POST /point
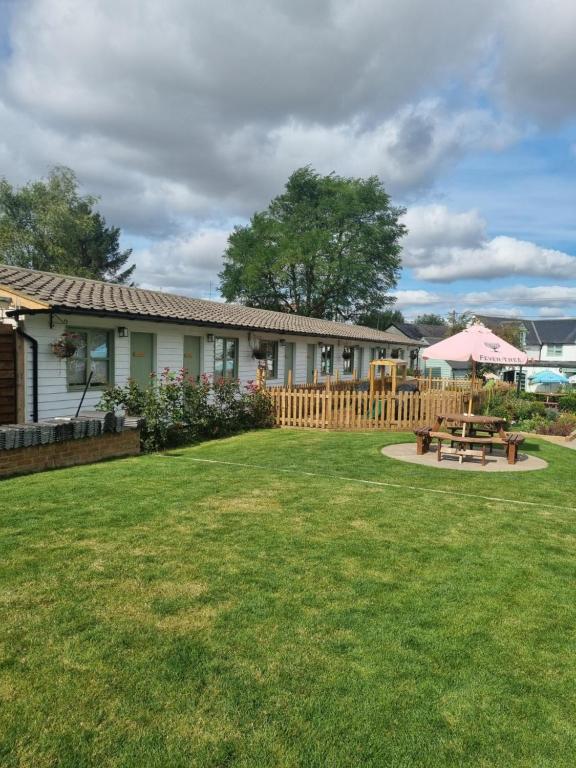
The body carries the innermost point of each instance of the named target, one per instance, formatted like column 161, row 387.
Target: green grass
column 157, row 611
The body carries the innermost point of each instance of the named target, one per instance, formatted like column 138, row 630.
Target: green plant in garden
column 178, row 409
column 513, row 408
column 567, row 402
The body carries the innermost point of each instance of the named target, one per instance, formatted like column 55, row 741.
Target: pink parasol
column 478, row 344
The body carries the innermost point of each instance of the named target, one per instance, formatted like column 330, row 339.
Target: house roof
column 422, row 332
column 78, row 295
column 562, row 331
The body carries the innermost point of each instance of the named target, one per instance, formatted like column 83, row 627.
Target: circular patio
column 495, row 462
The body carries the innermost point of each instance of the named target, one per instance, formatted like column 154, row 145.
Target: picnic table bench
column 476, row 445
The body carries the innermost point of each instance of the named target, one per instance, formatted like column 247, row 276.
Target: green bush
column 512, row 407
column 567, row 403
column 176, row 409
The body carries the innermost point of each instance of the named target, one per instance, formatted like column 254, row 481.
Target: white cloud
column 416, row 298
column 443, row 246
column 525, row 296
column 185, row 265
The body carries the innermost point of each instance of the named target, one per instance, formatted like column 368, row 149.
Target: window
column 436, row 373
column 270, row 349
column 226, row 357
column 398, row 353
column 347, row 359
column 93, row 355
column 327, row 360
column 379, row 353
column 554, row 350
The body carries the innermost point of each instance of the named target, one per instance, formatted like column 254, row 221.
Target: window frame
column 271, row 373
column 227, row 340
column 376, row 353
column 555, row 350
column 326, row 356
column 73, row 387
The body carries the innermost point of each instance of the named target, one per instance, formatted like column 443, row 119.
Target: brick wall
column 23, row 461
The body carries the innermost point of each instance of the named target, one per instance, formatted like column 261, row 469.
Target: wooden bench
column 425, row 435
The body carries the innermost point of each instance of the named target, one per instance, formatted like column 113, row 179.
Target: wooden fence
column 423, row 384
column 353, row 409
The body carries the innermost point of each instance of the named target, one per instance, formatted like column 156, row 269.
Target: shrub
column 176, row 409
column 508, row 405
column 564, row 425
column 567, row 403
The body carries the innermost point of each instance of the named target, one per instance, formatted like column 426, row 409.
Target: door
column 141, row 357
column 289, row 361
column 192, row 361
column 310, row 363
column 8, row 401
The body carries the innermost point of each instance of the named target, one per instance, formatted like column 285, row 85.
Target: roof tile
column 66, row 293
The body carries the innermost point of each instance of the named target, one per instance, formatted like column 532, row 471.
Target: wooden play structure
column 384, row 372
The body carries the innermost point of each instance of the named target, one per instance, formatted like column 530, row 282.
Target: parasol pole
column 472, row 384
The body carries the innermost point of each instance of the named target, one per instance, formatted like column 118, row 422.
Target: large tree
column 326, row 247
column 381, row 319
column 429, row 318
column 49, row 225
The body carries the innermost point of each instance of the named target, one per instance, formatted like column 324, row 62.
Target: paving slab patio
column 495, row 462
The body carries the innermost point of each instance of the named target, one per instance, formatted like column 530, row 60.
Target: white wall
column 55, row 398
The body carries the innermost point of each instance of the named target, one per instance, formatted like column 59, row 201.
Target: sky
column 185, row 117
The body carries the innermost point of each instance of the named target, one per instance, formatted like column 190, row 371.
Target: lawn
column 166, row 612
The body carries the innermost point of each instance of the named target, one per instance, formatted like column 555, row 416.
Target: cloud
column 525, row 296
column 443, row 246
column 537, row 59
column 184, row 265
column 194, row 111
column 416, row 298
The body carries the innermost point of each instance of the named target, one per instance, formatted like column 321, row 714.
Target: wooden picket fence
column 352, row 409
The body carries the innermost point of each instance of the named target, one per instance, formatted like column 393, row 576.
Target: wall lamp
column 122, row 332
column 282, row 342
column 210, row 338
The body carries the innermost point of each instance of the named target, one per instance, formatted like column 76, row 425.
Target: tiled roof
column 68, row 294
column 410, row 330
column 561, row 331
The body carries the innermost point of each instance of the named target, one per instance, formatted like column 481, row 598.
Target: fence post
column 290, row 378
column 315, row 375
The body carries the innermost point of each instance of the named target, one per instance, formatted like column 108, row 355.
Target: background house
column 129, row 333
column 425, row 335
column 549, row 344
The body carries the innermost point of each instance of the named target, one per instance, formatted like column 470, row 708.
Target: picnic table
column 470, row 425
column 468, row 435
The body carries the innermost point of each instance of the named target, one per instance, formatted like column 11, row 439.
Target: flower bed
column 176, row 409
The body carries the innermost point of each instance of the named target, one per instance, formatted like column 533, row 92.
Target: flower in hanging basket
column 66, row 345
column 346, row 354
column 259, row 354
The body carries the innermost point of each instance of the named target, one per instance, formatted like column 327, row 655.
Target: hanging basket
column 259, row 354
column 65, row 346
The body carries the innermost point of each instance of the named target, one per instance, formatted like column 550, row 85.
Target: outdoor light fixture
column 282, row 342
column 122, row 332
column 210, row 337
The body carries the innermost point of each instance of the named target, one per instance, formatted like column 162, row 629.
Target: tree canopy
column 381, row 319
column 457, row 322
column 327, row 247
column 429, row 318
column 49, row 225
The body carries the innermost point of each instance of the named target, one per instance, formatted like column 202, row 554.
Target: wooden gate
column 8, row 376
